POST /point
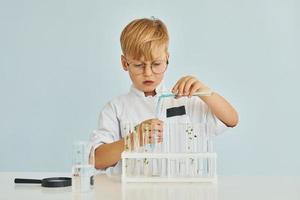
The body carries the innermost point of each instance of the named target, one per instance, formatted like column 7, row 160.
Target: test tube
column 189, row 138
column 127, row 143
column 147, row 137
column 147, row 165
column 156, row 162
column 164, row 167
column 147, row 162
column 136, row 140
column 197, row 144
column 182, row 167
column 177, row 167
column 200, row 166
column 173, row 138
column 172, row 167
column 210, row 132
column 166, row 139
column 210, row 162
column 192, row 167
column 164, row 149
column 130, row 146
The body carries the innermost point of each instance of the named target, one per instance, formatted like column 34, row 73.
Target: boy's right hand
column 149, row 131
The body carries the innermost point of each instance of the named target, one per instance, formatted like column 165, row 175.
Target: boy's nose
column 148, row 70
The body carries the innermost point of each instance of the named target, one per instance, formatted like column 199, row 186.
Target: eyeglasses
column 157, row 66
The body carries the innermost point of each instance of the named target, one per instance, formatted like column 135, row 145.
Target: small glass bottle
column 83, row 167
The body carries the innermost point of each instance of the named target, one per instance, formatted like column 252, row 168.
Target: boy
column 144, row 44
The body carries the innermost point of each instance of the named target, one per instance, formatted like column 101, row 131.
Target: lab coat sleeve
column 108, row 127
column 214, row 123
column 199, row 111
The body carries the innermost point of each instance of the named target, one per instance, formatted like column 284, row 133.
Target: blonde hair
column 141, row 36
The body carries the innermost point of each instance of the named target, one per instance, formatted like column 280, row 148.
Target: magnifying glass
column 47, row 182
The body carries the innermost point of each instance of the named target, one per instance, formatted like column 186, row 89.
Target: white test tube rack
column 185, row 155
column 206, row 174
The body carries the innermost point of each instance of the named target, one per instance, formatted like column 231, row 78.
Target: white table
column 107, row 188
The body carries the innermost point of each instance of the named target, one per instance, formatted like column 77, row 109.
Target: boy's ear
column 124, row 63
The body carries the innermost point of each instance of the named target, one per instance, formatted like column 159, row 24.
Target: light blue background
column 60, row 63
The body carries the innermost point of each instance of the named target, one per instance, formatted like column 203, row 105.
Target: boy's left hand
column 187, row 86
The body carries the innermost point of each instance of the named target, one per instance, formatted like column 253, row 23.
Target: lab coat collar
column 159, row 89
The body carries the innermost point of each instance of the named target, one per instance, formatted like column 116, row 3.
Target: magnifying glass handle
column 23, row 180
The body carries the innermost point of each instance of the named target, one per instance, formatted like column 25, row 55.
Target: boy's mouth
column 148, row 82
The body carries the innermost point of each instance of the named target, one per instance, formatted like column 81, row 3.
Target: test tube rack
column 192, row 161
column 169, row 167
